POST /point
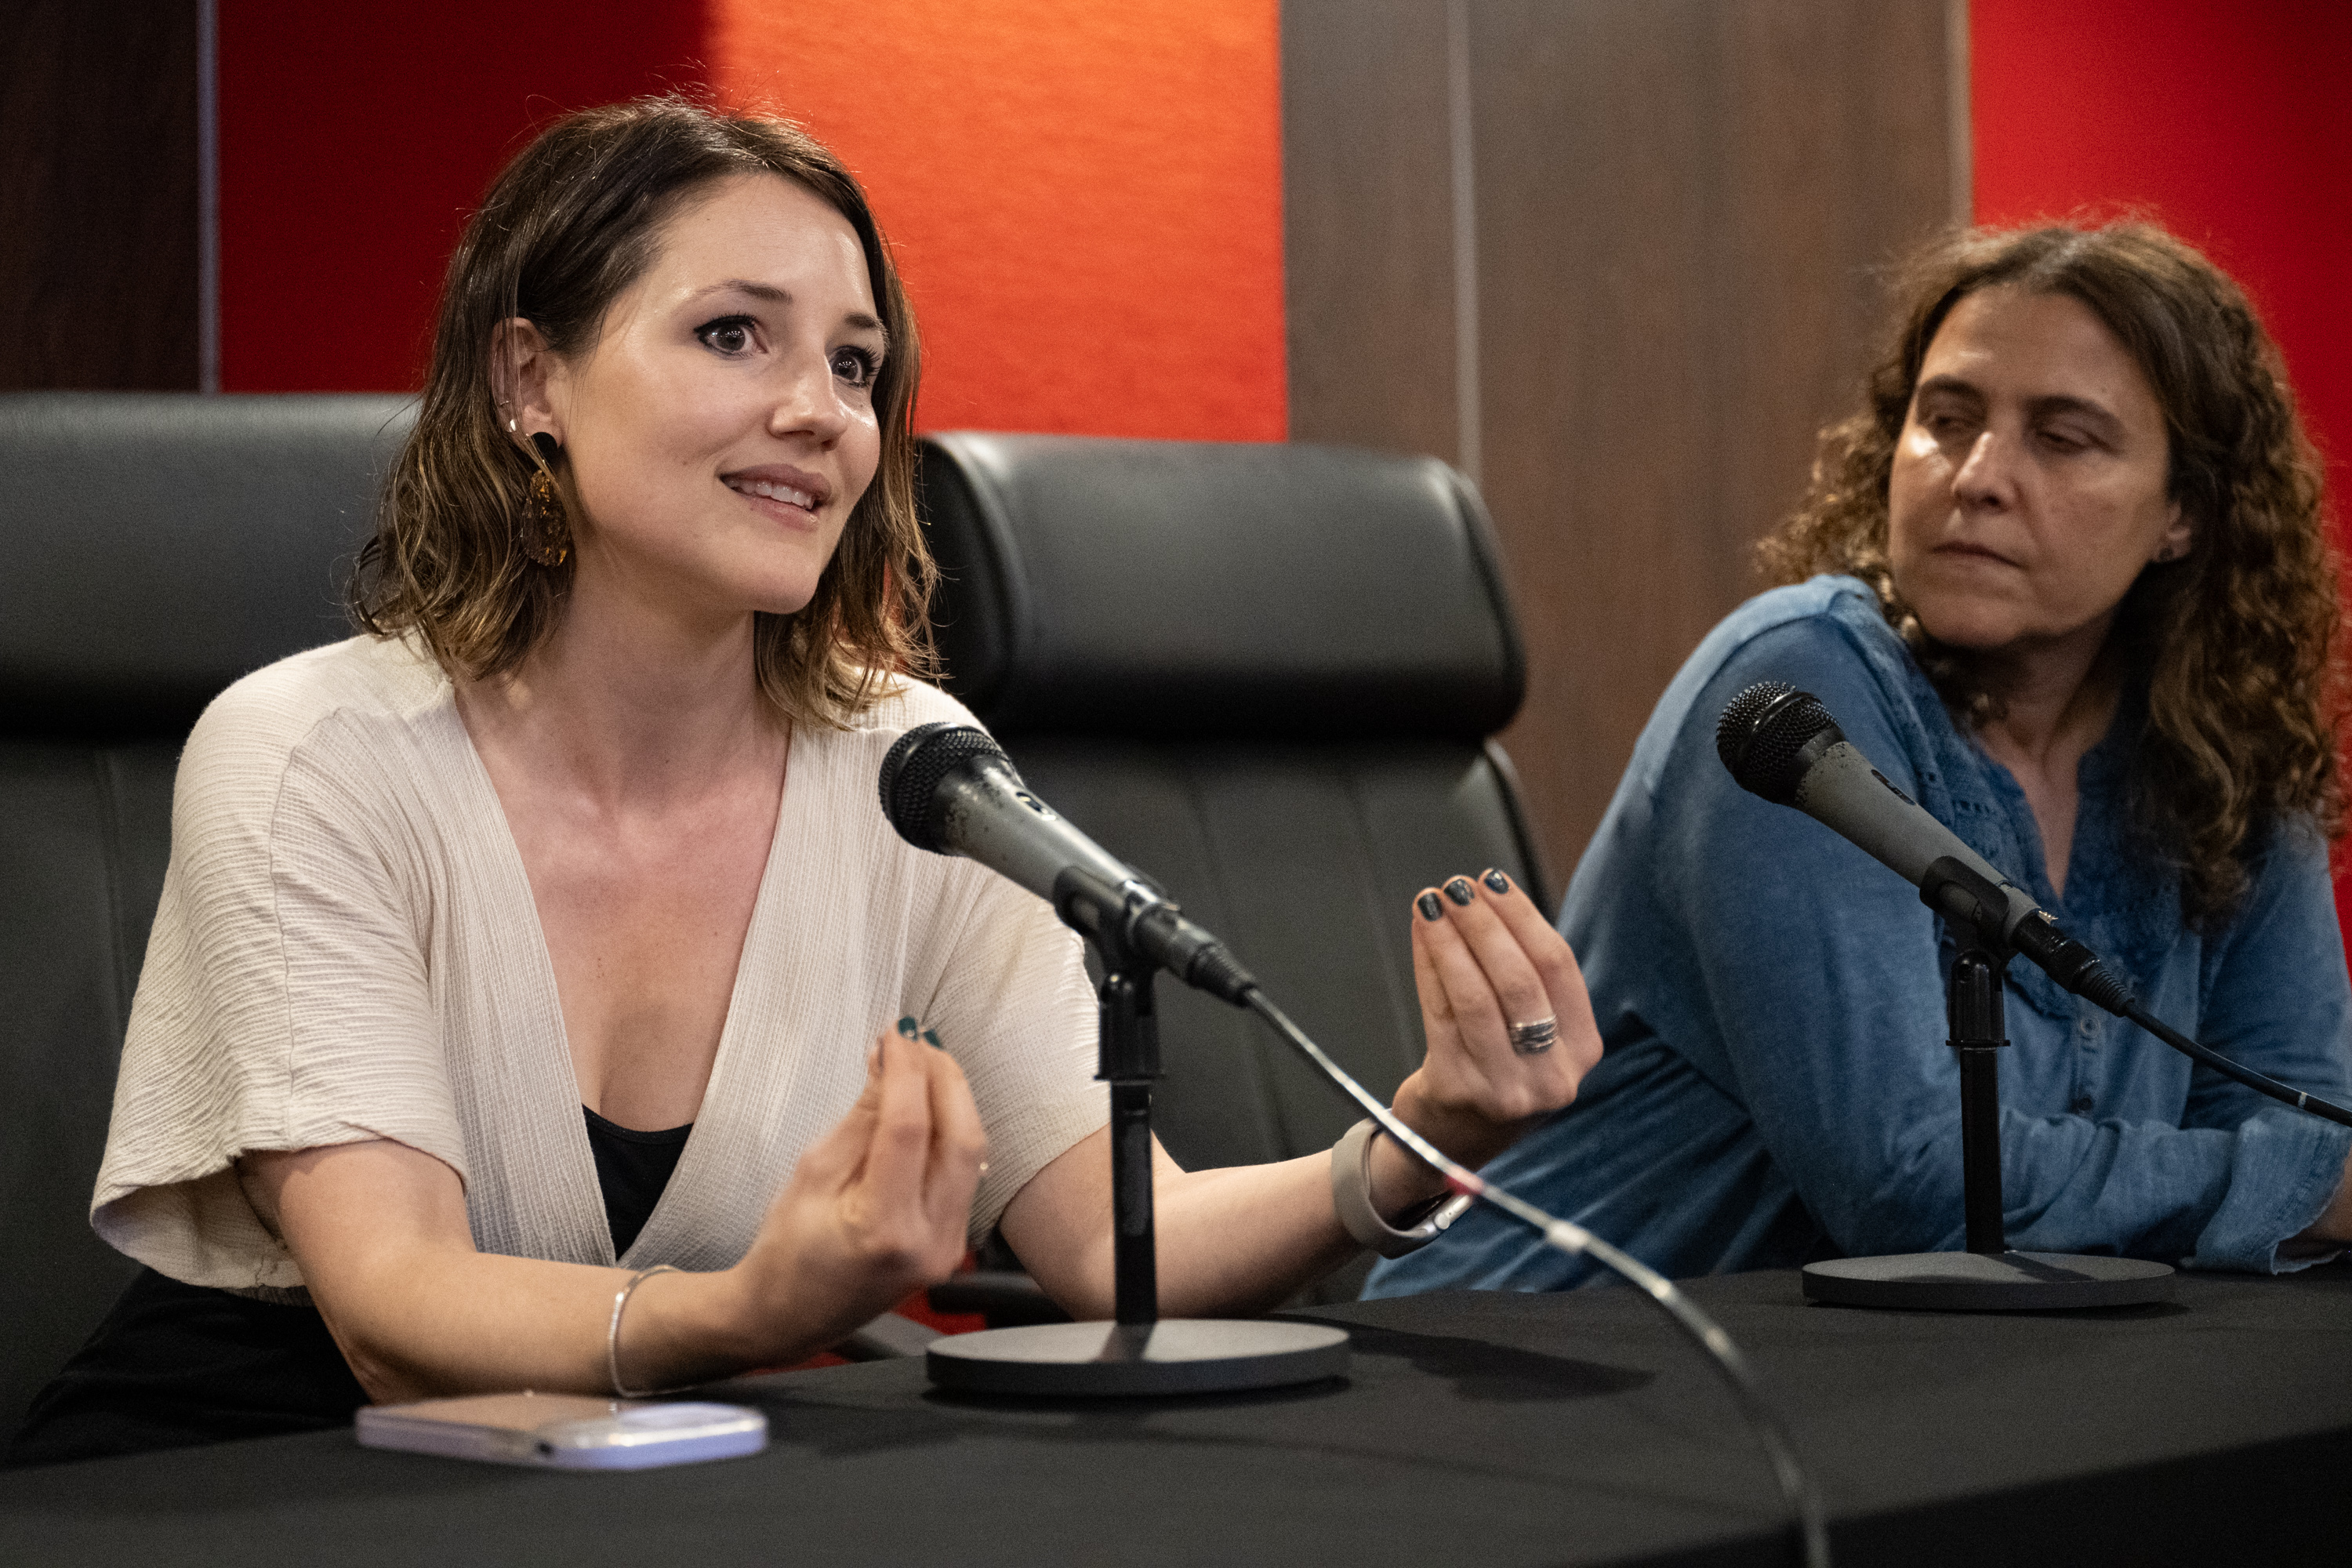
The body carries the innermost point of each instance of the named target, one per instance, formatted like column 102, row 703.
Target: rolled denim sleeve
column 2275, row 997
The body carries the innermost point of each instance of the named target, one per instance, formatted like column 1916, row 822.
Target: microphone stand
column 1987, row 1277
column 1138, row 1353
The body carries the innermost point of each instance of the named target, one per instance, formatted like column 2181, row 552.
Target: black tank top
column 632, row 1168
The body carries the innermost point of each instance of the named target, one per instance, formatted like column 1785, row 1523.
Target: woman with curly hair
column 2065, row 580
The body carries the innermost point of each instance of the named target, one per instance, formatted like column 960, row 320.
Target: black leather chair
column 152, row 549
column 1289, row 738
column 1266, row 676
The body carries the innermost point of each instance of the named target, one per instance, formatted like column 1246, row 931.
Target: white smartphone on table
column 565, row 1431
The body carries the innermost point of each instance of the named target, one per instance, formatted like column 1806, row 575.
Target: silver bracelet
column 1352, row 1195
column 613, row 1334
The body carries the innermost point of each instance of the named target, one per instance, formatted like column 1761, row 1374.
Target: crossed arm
column 879, row 1206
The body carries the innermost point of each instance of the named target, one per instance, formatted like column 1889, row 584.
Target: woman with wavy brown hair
column 510, row 1020
column 2066, row 579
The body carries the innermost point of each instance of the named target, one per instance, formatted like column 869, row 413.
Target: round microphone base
column 1176, row 1355
column 1988, row 1282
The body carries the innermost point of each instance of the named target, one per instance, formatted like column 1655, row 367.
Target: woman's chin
column 774, row 591
column 1974, row 634
column 782, row 603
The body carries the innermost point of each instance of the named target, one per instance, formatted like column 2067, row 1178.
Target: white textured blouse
column 347, row 949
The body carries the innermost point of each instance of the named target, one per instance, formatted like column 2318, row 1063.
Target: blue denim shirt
column 1776, row 1086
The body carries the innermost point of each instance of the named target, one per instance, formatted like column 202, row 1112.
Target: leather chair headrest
column 1176, row 588
column 159, row 545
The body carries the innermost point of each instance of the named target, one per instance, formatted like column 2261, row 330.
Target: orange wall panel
column 1086, row 198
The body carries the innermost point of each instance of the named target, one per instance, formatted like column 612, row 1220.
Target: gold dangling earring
column 544, row 533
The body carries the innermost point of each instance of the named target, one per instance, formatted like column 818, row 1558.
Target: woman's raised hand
column 876, row 1208
column 1485, row 958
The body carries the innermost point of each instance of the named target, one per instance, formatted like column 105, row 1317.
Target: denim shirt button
column 2083, row 1103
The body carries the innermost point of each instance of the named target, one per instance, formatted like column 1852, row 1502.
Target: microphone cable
column 2327, row 1111
column 1796, row 1484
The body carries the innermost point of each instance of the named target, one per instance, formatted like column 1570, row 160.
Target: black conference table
column 1474, row 1428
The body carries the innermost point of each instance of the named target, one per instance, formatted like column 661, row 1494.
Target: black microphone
column 1781, row 743
column 951, row 789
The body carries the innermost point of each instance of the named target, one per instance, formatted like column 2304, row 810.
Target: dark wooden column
column 1679, row 207
column 1368, row 225
column 98, row 200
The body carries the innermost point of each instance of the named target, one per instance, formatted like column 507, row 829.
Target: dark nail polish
column 1431, row 910
column 909, row 1028
column 1498, row 882
column 932, row 1040
column 1460, row 891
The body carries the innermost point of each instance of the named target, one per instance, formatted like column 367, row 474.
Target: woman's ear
column 2177, row 536
column 523, row 371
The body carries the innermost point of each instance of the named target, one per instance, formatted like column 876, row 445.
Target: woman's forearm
column 1240, row 1239
column 1246, row 1240
column 417, row 1312
column 1250, row 1237
column 436, row 1321
column 874, row 1208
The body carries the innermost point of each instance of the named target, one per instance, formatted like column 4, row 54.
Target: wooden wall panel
column 98, row 204
column 1680, row 207
column 1367, row 224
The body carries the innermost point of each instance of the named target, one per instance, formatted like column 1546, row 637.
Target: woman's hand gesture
column 1485, row 958
column 875, row 1209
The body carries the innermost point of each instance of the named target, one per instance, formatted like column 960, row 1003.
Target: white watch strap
column 1352, row 1195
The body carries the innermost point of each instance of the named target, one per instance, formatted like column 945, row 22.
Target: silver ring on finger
column 1534, row 1039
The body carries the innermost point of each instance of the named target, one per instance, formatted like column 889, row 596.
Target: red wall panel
column 355, row 137
column 2228, row 120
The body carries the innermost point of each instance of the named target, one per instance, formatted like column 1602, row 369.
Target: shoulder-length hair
column 571, row 223
column 2236, row 638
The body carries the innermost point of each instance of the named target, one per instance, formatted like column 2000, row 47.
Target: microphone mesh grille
column 911, row 774
column 1760, row 733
